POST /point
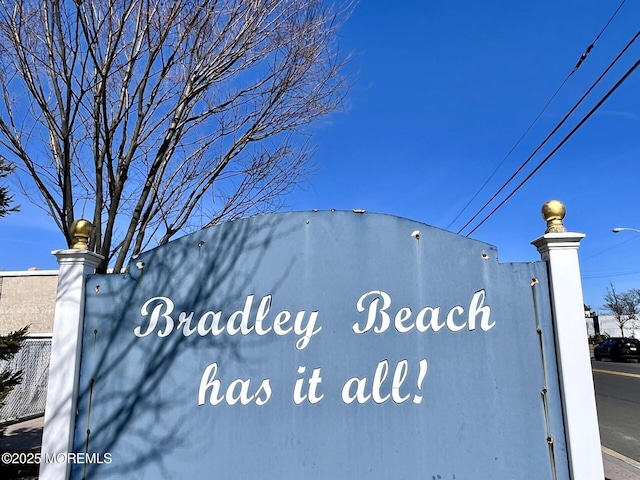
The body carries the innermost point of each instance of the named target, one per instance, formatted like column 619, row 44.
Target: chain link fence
column 29, row 397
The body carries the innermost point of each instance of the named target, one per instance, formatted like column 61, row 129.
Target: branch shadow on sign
column 137, row 391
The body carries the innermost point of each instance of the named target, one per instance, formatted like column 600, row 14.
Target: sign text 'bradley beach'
column 160, row 316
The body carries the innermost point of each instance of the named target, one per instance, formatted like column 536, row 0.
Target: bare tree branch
column 624, row 307
column 164, row 117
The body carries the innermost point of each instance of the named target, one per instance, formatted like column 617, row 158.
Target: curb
column 619, row 467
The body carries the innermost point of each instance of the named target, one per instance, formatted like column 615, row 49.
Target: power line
column 627, row 240
column 610, row 20
column 588, row 276
column 590, row 47
column 564, row 140
column 556, row 128
column 526, row 132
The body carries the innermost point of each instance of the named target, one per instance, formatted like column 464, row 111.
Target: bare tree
column 624, row 307
column 156, row 117
column 634, row 307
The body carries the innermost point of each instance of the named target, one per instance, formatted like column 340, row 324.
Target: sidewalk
column 619, row 467
column 26, row 437
column 21, row 437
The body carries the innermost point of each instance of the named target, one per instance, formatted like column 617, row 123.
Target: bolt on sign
column 321, row 345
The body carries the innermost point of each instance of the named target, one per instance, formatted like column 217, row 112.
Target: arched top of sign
column 352, row 239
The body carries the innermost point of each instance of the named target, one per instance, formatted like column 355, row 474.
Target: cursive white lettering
column 159, row 315
column 378, row 315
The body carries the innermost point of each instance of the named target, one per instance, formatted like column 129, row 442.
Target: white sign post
column 559, row 249
column 59, row 419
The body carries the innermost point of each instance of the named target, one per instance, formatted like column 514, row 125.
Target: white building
column 609, row 326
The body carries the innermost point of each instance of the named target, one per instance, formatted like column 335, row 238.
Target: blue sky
column 441, row 93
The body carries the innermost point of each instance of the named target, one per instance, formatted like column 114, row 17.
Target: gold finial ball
column 553, row 212
column 81, row 231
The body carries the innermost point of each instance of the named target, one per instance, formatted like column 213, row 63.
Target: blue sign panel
column 320, row 345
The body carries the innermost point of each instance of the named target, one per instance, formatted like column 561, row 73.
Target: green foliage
column 5, row 197
column 599, row 338
column 10, row 345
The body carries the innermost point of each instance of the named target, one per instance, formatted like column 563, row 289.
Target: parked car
column 617, row 349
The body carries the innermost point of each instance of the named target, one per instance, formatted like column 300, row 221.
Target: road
column 617, row 388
